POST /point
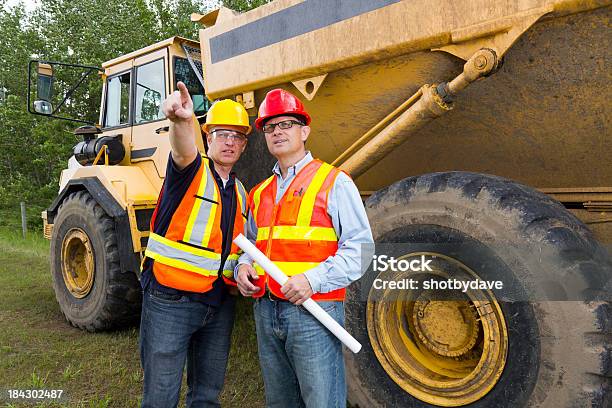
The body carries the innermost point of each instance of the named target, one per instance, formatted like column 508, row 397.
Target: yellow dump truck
column 478, row 133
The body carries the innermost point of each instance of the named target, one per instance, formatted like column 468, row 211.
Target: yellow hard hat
column 227, row 112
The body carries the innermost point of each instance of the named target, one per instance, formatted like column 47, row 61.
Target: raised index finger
column 183, row 91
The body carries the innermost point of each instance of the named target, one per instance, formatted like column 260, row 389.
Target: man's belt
column 273, row 297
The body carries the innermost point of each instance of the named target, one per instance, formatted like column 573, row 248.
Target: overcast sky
column 29, row 4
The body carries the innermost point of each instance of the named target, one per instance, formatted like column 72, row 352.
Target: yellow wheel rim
column 77, row 263
column 444, row 348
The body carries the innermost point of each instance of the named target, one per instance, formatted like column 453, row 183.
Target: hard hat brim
column 206, row 127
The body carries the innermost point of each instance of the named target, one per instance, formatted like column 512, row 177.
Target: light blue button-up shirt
column 350, row 221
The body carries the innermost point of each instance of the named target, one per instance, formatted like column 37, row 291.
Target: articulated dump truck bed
column 353, row 62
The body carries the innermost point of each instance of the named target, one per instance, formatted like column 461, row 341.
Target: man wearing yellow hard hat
column 187, row 310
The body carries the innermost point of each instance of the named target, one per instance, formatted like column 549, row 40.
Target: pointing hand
column 178, row 106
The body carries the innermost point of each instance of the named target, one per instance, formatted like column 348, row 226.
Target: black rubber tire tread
column 532, row 217
column 116, row 296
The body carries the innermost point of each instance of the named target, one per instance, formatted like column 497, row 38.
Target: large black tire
column 559, row 353
column 114, row 298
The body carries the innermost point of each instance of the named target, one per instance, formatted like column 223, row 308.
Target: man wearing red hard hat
column 308, row 218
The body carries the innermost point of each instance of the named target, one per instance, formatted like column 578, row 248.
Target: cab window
column 184, row 73
column 117, row 100
column 150, row 92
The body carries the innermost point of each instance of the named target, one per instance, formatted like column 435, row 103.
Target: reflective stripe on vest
column 197, row 222
column 183, row 256
column 297, row 234
column 199, row 226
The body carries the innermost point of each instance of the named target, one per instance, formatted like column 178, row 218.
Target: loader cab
column 135, row 86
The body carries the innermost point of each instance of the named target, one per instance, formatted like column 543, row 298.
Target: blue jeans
column 174, row 329
column 301, row 361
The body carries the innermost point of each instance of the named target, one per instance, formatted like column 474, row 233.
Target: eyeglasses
column 225, row 135
column 285, row 124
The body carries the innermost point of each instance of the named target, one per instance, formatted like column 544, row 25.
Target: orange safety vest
column 296, row 234
column 188, row 256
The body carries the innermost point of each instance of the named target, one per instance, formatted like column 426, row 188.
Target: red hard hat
column 279, row 102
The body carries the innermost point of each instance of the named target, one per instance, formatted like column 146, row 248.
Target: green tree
column 243, row 5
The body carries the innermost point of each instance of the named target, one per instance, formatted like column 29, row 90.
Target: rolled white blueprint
column 310, row 305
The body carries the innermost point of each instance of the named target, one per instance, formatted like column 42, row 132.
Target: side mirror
column 52, row 77
column 44, row 89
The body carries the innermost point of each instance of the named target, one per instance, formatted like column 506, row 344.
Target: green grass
column 39, row 349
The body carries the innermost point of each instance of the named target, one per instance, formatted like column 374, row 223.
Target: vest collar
column 218, row 179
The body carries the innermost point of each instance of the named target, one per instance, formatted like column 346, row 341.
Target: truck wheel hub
column 445, row 348
column 448, row 328
column 77, row 263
